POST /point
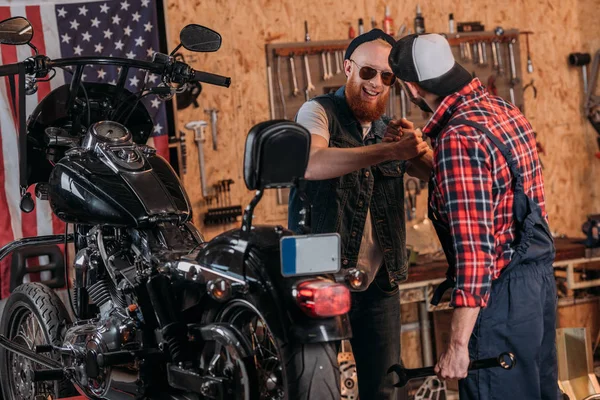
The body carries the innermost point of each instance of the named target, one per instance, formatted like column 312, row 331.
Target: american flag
column 118, row 28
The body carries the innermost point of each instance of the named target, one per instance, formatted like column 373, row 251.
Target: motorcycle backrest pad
column 276, row 154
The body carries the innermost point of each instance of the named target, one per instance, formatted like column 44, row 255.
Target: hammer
column 581, row 60
column 405, row 374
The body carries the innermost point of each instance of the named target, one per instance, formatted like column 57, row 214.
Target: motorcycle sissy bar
column 505, row 360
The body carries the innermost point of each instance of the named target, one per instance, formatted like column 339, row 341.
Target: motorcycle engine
column 115, row 328
column 89, row 341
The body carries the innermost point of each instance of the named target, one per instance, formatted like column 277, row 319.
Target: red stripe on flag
column 161, row 144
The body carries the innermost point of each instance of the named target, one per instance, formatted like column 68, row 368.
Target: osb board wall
column 246, row 26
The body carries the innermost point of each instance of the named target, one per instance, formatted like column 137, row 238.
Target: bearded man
column 355, row 185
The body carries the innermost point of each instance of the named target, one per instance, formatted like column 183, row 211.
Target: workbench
column 424, row 277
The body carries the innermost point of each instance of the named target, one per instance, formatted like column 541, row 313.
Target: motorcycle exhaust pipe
column 34, row 241
column 27, row 353
column 405, row 374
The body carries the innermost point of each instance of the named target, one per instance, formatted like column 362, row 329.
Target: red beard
column 364, row 111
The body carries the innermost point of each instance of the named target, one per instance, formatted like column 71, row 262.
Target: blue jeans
column 375, row 320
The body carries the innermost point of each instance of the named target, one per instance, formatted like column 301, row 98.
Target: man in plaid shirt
column 487, row 205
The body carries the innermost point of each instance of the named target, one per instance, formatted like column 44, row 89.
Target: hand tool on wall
column 463, row 55
column 271, row 96
column 306, row 35
column 392, row 100
column 403, row 104
column 475, row 52
column 224, row 212
column 228, row 183
column 480, row 54
column 532, row 86
column 329, row 65
column 338, row 66
column 224, row 191
column 499, row 32
column 295, row 81
column 505, row 360
column 213, row 125
column 511, row 57
column 198, row 128
column 280, row 85
column 325, row 71
column 468, row 54
column 217, row 189
column 183, row 148
column 484, row 54
column 494, row 56
column 499, row 57
column 512, row 93
column 529, row 62
column 412, row 189
column 581, row 60
column 309, row 85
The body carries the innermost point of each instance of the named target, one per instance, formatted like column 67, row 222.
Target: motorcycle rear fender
column 269, row 290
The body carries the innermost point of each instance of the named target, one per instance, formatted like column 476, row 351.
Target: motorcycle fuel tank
column 122, row 185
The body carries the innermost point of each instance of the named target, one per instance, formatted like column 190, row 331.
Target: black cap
column 427, row 60
column 370, row 36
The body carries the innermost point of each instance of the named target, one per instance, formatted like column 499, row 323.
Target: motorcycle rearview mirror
column 199, row 38
column 16, row 31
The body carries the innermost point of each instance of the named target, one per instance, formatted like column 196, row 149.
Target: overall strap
column 510, row 160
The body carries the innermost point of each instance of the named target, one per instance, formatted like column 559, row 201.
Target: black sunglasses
column 368, row 73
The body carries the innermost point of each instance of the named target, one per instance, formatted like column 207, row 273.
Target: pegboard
column 284, row 104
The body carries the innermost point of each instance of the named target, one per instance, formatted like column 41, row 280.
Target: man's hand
column 453, row 363
column 396, row 127
column 406, row 142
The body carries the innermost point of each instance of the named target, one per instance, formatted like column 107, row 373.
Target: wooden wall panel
column 560, row 27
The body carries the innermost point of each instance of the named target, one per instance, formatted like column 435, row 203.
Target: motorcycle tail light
column 319, row 298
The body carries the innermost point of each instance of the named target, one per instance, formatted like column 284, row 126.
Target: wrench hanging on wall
column 213, row 124
column 324, row 62
column 198, row 128
column 484, row 55
column 295, row 81
column 309, row 85
column 280, row 85
column 511, row 56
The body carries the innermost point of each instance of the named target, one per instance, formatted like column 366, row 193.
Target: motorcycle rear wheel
column 286, row 371
column 33, row 315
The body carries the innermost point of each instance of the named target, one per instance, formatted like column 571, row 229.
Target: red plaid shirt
column 472, row 185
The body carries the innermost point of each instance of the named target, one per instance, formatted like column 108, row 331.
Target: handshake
column 403, row 141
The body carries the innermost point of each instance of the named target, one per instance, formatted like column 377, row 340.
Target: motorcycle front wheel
column 33, row 315
column 285, row 371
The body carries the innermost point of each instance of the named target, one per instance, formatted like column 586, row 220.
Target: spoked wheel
column 285, row 371
column 33, row 315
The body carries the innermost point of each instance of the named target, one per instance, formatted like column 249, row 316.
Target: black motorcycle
column 159, row 312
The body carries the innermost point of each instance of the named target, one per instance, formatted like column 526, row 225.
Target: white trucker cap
column 427, row 59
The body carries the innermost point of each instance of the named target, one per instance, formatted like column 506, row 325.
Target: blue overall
column 520, row 316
